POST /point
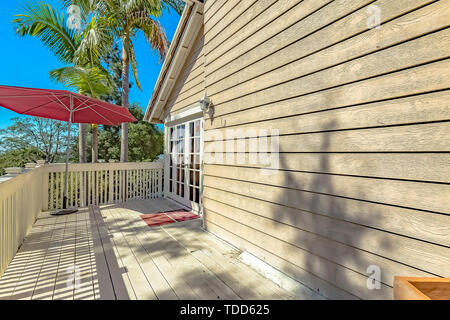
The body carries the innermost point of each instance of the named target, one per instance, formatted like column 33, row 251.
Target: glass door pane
column 184, row 164
column 194, row 160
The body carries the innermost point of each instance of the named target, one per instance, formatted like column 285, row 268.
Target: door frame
column 173, row 120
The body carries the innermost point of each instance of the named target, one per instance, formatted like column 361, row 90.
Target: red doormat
column 163, row 218
column 182, row 215
column 156, row 219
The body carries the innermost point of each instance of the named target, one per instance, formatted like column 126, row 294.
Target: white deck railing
column 102, row 183
column 24, row 196
column 20, row 203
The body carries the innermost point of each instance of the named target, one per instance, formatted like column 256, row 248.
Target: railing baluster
column 71, row 188
column 116, row 182
column 139, row 184
column 61, row 190
column 100, row 187
column 146, row 184
column 160, row 182
column 50, row 200
column 57, row 178
column 116, row 185
column 89, row 188
column 134, row 184
column 153, row 184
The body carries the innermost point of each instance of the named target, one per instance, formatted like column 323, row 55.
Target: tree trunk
column 125, row 94
column 82, row 143
column 94, row 143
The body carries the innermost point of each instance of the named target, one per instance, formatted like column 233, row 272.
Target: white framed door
column 183, row 167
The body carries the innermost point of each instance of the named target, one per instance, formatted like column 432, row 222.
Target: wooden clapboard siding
column 345, row 38
column 189, row 86
column 308, row 117
column 273, row 21
column 309, row 279
column 429, row 137
column 323, row 246
column 338, row 214
column 213, row 16
column 236, row 19
column 426, row 167
column 344, row 277
column 412, row 194
column 370, row 67
column 214, row 19
column 364, row 124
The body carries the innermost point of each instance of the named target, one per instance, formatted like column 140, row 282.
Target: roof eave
column 175, row 58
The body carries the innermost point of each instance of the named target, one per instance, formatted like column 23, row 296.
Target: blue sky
column 26, row 61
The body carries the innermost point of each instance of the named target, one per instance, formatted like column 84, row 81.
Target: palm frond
column 134, row 64
column 97, row 40
column 177, row 5
column 152, row 7
column 41, row 20
column 152, row 29
column 93, row 82
column 85, row 7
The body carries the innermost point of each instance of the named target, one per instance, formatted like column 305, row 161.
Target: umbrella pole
column 66, row 182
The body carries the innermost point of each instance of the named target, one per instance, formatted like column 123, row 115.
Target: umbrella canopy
column 62, row 105
column 65, row 106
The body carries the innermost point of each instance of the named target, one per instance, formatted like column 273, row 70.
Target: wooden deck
column 117, row 256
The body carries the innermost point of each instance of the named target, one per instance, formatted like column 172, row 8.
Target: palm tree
column 93, row 82
column 121, row 21
column 41, row 20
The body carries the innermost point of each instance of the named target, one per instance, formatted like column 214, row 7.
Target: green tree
column 146, row 140
column 34, row 138
column 93, row 82
column 17, row 158
column 42, row 21
column 121, row 21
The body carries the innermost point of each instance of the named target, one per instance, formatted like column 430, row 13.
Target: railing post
column 45, row 189
column 160, row 182
column 82, row 202
column 111, row 184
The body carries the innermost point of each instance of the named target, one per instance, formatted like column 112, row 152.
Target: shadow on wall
column 324, row 247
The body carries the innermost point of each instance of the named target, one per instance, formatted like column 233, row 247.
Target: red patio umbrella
column 65, row 106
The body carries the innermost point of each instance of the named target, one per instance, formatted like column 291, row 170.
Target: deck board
column 119, row 257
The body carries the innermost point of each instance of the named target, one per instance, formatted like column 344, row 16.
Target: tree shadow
column 325, row 252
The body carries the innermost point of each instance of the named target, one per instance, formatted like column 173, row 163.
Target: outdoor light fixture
column 205, row 103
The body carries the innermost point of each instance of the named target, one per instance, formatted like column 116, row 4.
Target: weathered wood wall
column 363, row 116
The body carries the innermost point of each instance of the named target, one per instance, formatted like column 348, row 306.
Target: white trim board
column 192, row 113
column 298, row 289
column 188, row 28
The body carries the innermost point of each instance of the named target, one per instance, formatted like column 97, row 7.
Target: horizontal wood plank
column 430, row 137
column 424, row 196
column 416, row 109
column 262, row 28
column 409, row 222
column 427, row 167
column 348, row 244
column 311, row 280
column 345, row 278
column 319, row 47
column 235, row 21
